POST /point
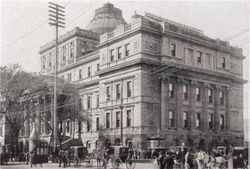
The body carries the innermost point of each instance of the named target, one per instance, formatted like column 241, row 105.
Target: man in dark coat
column 160, row 160
column 168, row 161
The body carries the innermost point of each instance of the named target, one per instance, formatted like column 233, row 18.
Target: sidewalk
column 17, row 165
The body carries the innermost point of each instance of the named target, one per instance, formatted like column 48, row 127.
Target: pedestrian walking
column 230, row 157
column 160, row 160
column 168, row 161
column 189, row 160
column 201, row 159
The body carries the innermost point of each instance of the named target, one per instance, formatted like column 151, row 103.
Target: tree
column 16, row 84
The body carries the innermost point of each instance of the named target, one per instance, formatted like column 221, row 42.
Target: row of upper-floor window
column 118, row 122
column 198, row 93
column 122, row 51
column 127, row 122
column 63, row 51
column 90, row 101
column 80, row 73
column 118, row 90
column 187, row 120
column 199, row 55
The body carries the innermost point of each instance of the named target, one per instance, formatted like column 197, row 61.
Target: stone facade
column 153, row 76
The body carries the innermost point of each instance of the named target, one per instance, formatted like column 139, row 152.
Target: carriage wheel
column 101, row 164
column 89, row 161
column 116, row 162
column 76, row 162
column 130, row 163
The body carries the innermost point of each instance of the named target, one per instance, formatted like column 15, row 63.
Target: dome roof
column 106, row 19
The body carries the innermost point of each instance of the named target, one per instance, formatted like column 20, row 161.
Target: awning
column 156, row 138
column 71, row 142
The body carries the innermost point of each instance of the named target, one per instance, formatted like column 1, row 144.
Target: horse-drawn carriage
column 77, row 155
column 114, row 157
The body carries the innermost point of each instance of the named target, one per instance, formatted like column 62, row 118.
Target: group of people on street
column 196, row 159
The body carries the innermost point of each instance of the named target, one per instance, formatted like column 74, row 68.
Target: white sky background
column 24, row 25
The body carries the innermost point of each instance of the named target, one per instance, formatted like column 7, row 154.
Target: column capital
column 206, row 85
column 217, row 87
column 194, row 82
column 228, row 88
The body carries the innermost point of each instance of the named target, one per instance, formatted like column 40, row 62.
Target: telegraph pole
column 56, row 18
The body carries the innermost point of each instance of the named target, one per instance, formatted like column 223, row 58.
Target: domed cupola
column 106, row 19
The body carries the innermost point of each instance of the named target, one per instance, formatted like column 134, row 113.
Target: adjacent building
column 151, row 77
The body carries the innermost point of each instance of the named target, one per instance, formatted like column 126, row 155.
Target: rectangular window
column 69, row 77
column 112, row 55
column 89, row 102
column 119, row 53
column 129, row 89
column 171, row 90
column 118, row 91
column 88, row 126
column 108, row 93
column 210, row 121
column 44, row 62
column 80, row 104
column 43, row 128
column 185, row 93
column 223, row 63
column 190, row 53
column 97, row 101
column 198, row 120
column 185, row 119
column 89, row 71
column 222, row 124
column 173, row 50
column 67, row 126
column 171, row 118
column 97, row 123
column 210, row 95
column 198, row 94
column 127, row 49
column 71, row 50
column 80, row 74
column 107, row 120
column 199, row 56
column 76, row 125
column 64, row 53
column 118, row 119
column 98, row 66
column 222, row 97
column 50, row 62
column 128, row 118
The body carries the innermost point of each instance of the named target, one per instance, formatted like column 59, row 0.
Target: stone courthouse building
column 151, row 78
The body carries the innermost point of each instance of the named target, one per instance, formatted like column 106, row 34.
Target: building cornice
column 69, row 35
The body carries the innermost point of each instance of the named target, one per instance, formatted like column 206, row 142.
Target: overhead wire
column 31, row 31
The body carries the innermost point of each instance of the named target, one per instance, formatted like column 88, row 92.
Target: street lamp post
column 56, row 18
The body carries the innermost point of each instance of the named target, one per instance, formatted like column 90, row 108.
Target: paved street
column 53, row 165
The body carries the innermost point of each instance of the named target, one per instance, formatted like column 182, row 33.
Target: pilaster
column 163, row 103
column 192, row 103
column 204, row 115
column 216, row 108
column 228, row 105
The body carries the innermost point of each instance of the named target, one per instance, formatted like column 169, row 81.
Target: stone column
column 216, row 108
column 204, row 116
column 178, row 104
column 227, row 118
column 163, row 103
column 167, row 103
column 192, row 103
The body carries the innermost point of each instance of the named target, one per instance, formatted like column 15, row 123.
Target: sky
column 24, row 24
